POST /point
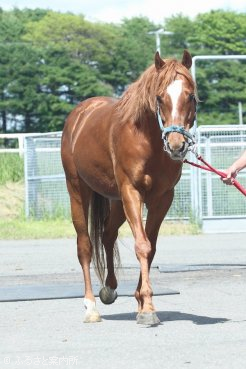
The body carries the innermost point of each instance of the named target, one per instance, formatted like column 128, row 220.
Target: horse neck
column 148, row 125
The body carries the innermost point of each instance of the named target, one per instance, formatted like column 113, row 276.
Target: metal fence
column 45, row 187
column 221, row 146
column 199, row 194
column 220, row 207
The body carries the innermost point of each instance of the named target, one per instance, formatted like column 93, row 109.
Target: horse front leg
column 157, row 210
column 133, row 205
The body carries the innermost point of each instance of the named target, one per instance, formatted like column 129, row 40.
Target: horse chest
column 162, row 176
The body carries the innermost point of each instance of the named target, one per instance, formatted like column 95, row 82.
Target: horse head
column 176, row 104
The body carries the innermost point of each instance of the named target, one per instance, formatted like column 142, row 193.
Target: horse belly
column 99, row 181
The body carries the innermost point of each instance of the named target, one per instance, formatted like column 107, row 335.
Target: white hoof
column 91, row 315
column 107, row 295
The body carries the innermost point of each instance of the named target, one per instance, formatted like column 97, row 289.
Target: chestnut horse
column 114, row 161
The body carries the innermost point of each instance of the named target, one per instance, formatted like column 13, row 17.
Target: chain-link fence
column 198, row 194
column 46, row 192
column 221, row 146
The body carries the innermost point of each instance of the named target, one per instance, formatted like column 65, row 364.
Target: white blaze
column 174, row 91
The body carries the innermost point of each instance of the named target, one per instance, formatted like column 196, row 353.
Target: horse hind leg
column 115, row 219
column 80, row 195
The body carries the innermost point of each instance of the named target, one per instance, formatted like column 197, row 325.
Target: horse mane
column 140, row 96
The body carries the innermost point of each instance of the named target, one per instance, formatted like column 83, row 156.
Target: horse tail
column 99, row 212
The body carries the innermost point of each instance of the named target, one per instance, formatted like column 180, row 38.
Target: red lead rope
column 212, row 169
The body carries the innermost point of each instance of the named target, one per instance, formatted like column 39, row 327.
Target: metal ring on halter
column 165, row 143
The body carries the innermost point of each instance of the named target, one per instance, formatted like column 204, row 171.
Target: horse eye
column 159, row 99
column 191, row 97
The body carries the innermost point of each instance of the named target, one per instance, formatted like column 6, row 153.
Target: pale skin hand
column 233, row 170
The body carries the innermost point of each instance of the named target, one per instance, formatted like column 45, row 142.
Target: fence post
column 27, row 211
column 21, row 144
column 30, row 173
column 209, row 178
column 195, row 185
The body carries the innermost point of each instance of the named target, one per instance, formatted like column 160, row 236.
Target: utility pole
column 157, row 34
column 240, row 112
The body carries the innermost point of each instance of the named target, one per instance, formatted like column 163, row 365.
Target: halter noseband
column 173, row 128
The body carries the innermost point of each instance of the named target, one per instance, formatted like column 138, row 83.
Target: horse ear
column 187, row 59
column 159, row 63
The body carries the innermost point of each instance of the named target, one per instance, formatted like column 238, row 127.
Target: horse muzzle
column 176, row 150
column 177, row 141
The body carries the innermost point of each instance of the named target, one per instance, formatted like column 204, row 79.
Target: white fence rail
column 18, row 139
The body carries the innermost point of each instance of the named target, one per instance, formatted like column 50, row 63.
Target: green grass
column 14, row 225
column 11, row 168
column 168, row 228
column 19, row 229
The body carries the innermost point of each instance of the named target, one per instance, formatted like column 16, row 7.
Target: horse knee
column 143, row 249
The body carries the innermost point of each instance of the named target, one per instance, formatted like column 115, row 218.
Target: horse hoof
column 148, row 319
column 93, row 317
column 107, row 295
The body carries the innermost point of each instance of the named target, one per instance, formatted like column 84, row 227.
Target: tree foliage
column 50, row 61
column 221, row 83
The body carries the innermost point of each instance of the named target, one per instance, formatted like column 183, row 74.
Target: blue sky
column 115, row 10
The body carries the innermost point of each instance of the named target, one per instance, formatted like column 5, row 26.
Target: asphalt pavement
column 202, row 327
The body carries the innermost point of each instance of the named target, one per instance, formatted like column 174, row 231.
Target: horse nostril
column 182, row 147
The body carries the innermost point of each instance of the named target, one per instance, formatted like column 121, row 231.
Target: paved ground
column 203, row 327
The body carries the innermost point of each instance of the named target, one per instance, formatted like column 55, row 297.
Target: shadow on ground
column 171, row 316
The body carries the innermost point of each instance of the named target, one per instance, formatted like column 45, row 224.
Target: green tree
column 43, row 76
column 19, row 70
column 10, row 31
column 221, row 84
column 222, row 32
column 135, row 49
column 183, row 29
column 64, row 83
column 51, row 61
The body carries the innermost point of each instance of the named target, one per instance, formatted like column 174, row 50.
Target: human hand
column 231, row 174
